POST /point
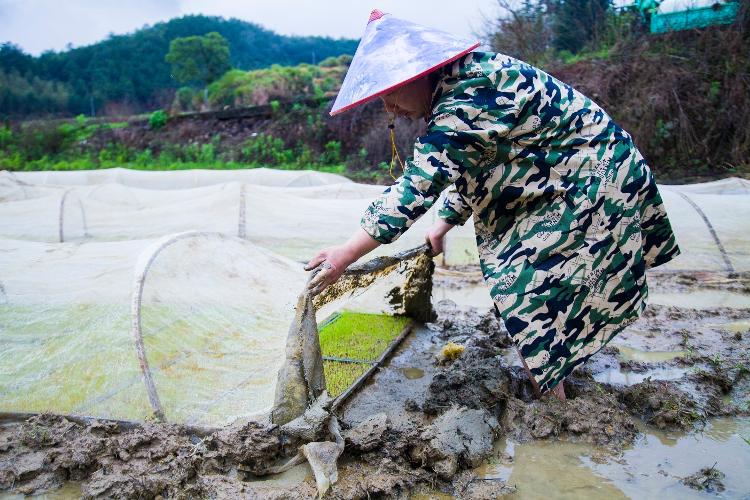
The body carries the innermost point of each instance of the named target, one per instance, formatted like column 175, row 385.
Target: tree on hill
column 530, row 29
column 199, row 59
column 578, row 22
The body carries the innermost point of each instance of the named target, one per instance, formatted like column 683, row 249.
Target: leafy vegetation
column 544, row 32
column 248, row 88
column 127, row 74
column 82, row 145
column 157, row 119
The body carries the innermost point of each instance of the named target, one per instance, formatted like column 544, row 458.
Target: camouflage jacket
column 566, row 211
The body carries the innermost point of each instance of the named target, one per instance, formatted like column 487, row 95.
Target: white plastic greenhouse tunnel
column 124, row 293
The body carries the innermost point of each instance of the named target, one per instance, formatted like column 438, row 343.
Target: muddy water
column 471, row 295
column 547, row 469
column 390, row 388
column 651, row 468
column 734, row 326
column 701, row 299
column 412, row 373
column 616, row 376
column 632, row 354
column 468, row 290
column 70, row 491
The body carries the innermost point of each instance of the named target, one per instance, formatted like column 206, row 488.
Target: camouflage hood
column 393, row 52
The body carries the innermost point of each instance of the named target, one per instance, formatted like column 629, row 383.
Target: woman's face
column 411, row 100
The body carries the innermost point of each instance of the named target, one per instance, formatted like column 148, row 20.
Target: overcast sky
column 39, row 25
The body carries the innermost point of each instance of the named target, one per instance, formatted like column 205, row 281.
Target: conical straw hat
column 393, row 52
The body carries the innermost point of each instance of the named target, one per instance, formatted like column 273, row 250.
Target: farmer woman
column 568, row 217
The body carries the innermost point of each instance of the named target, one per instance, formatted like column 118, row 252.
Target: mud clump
column 386, row 479
column 459, row 325
column 143, row 461
column 460, row 437
column 477, row 379
column 418, row 290
column 594, row 416
column 481, row 379
column 368, row 435
column 482, row 489
column 708, row 479
column 662, row 404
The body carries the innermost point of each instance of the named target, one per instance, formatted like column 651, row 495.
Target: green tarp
column 718, row 13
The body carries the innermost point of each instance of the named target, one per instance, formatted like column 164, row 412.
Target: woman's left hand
column 333, row 261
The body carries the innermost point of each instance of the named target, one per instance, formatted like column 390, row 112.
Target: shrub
column 332, row 153
column 6, row 136
column 184, row 98
column 266, row 150
column 207, row 153
column 157, row 120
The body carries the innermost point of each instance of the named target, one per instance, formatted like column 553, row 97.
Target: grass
column 357, row 336
column 16, row 163
column 339, row 376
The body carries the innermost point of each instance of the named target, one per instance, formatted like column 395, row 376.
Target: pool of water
column 473, row 295
column 701, row 299
column 632, row 354
column 616, row 376
column 741, row 326
column 69, row 491
column 478, row 295
column 651, row 468
column 412, row 373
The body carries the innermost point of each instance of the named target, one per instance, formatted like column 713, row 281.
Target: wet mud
column 427, row 426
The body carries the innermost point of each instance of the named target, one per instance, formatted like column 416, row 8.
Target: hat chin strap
column 394, row 150
column 392, row 132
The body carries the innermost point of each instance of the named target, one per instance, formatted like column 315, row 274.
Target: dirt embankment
column 360, row 138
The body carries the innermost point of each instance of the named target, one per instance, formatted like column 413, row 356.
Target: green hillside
column 127, row 74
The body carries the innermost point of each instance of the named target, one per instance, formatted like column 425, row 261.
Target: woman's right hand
column 436, row 236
